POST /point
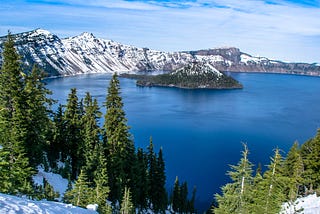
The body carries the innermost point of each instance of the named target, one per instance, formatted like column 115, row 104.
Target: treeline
column 101, row 162
column 298, row 174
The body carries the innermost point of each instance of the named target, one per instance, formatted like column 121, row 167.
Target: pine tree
column 270, row 190
column 236, row 196
column 176, row 196
column 191, row 208
column 56, row 148
column 162, row 196
column 36, row 115
column 140, row 195
column 310, row 151
column 157, row 192
column 151, row 156
column 48, row 191
column 12, row 124
column 127, row 205
column 184, row 197
column 74, row 146
column 81, row 194
column 120, row 148
column 101, row 185
column 91, row 135
column 293, row 170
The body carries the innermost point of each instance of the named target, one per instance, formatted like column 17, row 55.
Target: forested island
column 195, row 75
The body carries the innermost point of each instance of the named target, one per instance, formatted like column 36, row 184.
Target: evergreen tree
column 81, row 194
column 160, row 204
column 127, row 205
column 101, row 185
column 91, row 135
column 176, row 196
column 120, row 147
column 191, row 208
column 57, row 148
column 270, row 190
column 184, row 197
column 236, row 196
column 140, row 195
column 12, row 124
column 157, row 192
column 152, row 167
column 310, row 151
column 74, row 143
column 293, row 170
column 36, row 116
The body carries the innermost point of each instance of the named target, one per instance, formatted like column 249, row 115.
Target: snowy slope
column 88, row 54
column 306, row 205
column 58, row 183
column 16, row 205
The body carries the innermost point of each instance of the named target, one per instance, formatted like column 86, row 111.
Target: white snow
column 16, row 205
column 92, row 207
column 306, row 205
column 58, row 183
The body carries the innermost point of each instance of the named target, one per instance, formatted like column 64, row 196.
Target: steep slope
column 88, row 54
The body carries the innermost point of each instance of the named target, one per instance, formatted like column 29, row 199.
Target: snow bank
column 16, row 205
column 306, row 205
column 58, row 183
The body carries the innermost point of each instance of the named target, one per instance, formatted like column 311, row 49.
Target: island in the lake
column 195, row 75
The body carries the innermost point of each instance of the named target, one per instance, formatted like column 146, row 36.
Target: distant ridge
column 86, row 53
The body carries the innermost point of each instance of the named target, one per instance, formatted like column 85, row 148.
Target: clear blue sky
column 288, row 30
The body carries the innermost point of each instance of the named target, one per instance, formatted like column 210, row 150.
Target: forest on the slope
column 101, row 162
column 104, row 166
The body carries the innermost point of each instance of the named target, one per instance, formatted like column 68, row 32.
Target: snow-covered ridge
column 86, row 53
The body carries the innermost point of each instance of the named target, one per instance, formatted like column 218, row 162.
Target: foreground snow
column 12, row 204
column 306, row 205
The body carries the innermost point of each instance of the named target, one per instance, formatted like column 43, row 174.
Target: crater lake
column 201, row 131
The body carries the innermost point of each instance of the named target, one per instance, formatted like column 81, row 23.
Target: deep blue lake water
column 201, row 131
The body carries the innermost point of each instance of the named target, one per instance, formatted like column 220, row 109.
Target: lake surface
column 201, row 131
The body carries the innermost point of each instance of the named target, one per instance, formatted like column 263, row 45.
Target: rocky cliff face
column 88, row 54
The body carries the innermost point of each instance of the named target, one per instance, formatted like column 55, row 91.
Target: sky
column 287, row 30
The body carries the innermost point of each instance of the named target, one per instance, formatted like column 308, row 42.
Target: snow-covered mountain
column 88, row 54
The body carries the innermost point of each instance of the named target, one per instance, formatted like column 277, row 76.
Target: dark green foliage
column 161, row 196
column 91, row 135
column 140, row 195
column 13, row 134
column 36, row 115
column 236, row 196
column 101, row 190
column 293, row 170
column 81, row 194
column 271, row 188
column 45, row 191
column 157, row 192
column 176, row 196
column 119, row 146
column 311, row 159
column 127, row 205
column 57, row 146
column 74, row 143
column 179, row 201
